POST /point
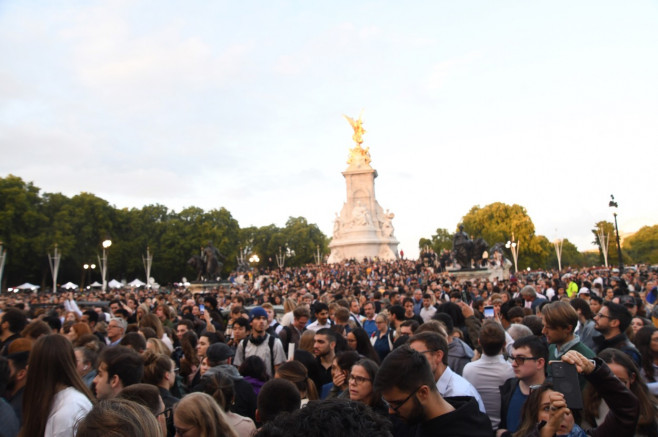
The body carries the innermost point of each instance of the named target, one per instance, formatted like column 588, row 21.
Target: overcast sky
column 552, row 105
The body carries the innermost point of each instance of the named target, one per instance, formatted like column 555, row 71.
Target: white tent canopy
column 27, row 286
column 114, row 284
column 95, row 284
column 137, row 283
column 70, row 286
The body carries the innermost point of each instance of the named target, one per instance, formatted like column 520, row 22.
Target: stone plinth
column 363, row 228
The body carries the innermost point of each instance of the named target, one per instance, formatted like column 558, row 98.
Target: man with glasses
column 407, row 385
column 612, row 321
column 115, row 330
column 529, row 359
column 449, row 384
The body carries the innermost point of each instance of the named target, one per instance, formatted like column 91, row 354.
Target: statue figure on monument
column 357, row 153
column 386, row 224
column 360, row 215
column 338, row 223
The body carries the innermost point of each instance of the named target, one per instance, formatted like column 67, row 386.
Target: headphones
column 257, row 340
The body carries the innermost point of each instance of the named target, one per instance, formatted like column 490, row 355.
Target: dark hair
column 301, row 311
column 455, row 313
column 599, row 299
column 134, row 341
column 146, row 395
column 619, row 312
column 123, row 362
column 582, row 305
column 534, row 323
column 397, row 311
column 404, row 369
column 492, row 338
column 363, row 345
column 446, row 320
column 36, row 329
column 347, row 359
column 318, row 307
column 211, row 302
column 411, row 323
column 537, row 347
column 254, row 366
column 92, row 315
column 371, row 369
column 329, row 418
column 52, row 364
column 433, row 342
column 277, row 396
column 221, row 387
column 16, row 319
column 329, row 333
column 4, row 374
column 241, row 321
column 642, row 341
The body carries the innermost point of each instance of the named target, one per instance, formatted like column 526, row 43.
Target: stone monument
column 362, row 229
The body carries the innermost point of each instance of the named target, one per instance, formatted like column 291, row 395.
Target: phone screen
column 489, row 312
column 202, row 308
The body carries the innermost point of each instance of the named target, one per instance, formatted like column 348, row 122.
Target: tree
column 642, row 247
column 498, row 222
column 442, row 239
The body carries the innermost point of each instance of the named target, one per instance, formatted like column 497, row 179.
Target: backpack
column 270, row 343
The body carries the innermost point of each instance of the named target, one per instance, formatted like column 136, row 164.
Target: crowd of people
column 350, row 349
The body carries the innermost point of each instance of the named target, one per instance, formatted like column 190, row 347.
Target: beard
column 417, row 414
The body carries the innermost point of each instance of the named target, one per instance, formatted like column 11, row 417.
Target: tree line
column 32, row 223
column 499, row 222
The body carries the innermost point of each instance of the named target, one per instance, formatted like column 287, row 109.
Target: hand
column 583, row 364
column 339, row 379
column 559, row 411
column 467, row 311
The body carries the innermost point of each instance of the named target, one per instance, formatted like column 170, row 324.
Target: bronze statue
column 466, row 251
column 209, row 264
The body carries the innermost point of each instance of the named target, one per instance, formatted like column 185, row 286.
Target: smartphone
column 202, row 308
column 489, row 312
column 565, row 381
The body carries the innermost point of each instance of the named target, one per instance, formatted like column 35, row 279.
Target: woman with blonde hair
column 200, row 413
column 119, row 418
column 157, row 346
column 152, row 321
column 297, row 373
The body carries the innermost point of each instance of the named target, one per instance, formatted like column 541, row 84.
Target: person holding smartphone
column 546, row 413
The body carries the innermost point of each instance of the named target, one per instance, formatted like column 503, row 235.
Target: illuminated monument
column 362, row 229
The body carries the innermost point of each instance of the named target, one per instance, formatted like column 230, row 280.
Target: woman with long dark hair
column 55, row 397
column 358, row 340
column 646, row 341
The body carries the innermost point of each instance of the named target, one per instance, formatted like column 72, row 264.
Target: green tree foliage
column 497, row 222
column 31, row 225
column 442, row 239
column 609, row 233
column 642, row 247
column 570, row 256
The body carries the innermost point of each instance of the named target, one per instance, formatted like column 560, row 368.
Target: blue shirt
column 514, row 409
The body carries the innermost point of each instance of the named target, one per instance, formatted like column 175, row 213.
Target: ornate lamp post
column 614, row 204
column 53, row 260
column 103, row 263
column 558, row 251
column 280, row 259
column 3, row 257
column 88, row 268
column 514, row 247
column 604, row 239
column 148, row 260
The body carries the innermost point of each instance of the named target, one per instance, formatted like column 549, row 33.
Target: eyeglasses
column 398, row 404
column 602, row 315
column 166, row 413
column 521, row 360
column 358, row 379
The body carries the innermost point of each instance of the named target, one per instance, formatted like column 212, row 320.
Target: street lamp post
column 604, row 240
column 148, row 261
column 317, row 256
column 88, row 268
column 280, row 259
column 614, row 204
column 103, row 263
column 558, row 251
column 53, row 260
column 514, row 247
column 3, row 257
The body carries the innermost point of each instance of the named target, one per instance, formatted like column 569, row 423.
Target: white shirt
column 487, row 374
column 427, row 313
column 451, row 384
column 69, row 406
column 315, row 326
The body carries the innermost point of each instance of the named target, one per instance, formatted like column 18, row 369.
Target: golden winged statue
column 357, row 125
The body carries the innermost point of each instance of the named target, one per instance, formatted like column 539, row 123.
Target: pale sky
column 552, row 105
